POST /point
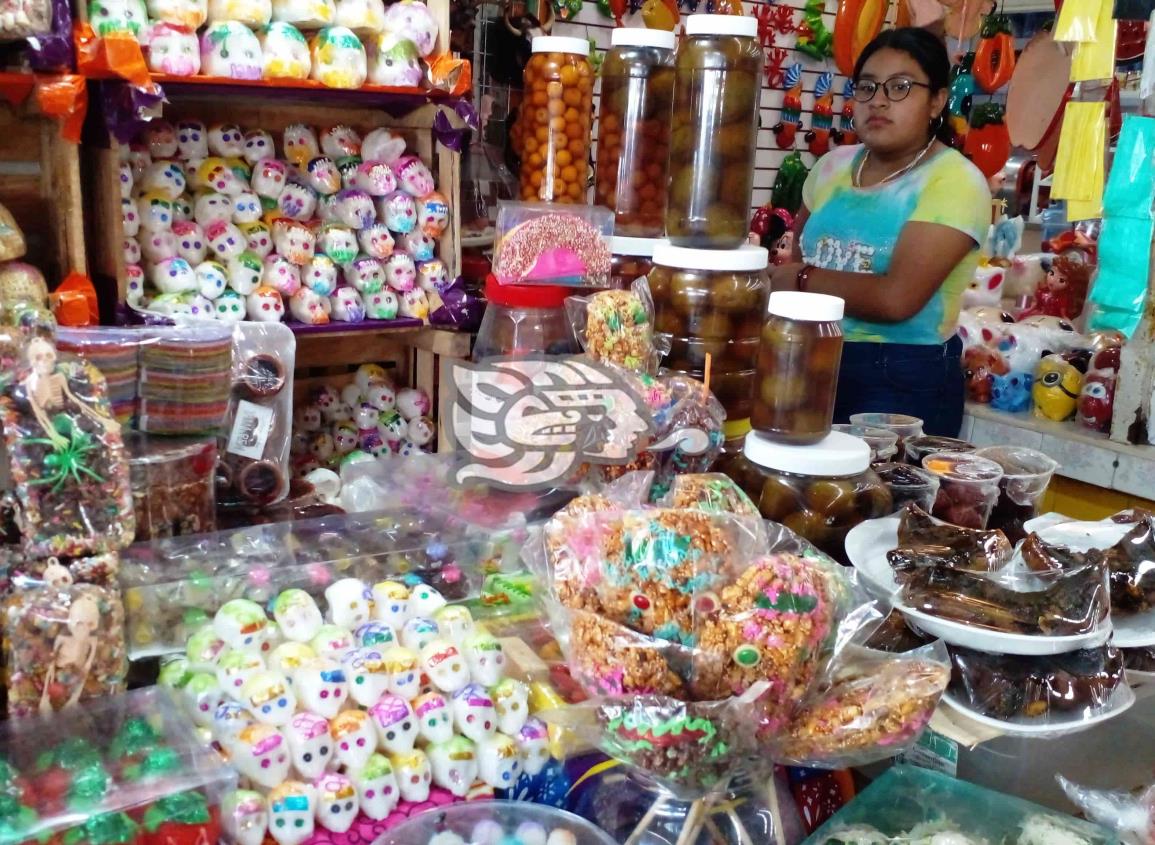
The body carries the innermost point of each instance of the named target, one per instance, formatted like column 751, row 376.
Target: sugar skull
column 131, row 250
column 265, row 305
column 225, row 239
column 365, row 375
column 486, row 660
column 321, row 687
column 241, row 624
column 418, row 244
column 297, row 202
column 348, row 306
column 499, row 761
column 154, row 211
column 288, row 657
column 204, row 650
column 280, row 274
column 424, row 600
column 127, row 180
column 445, row 665
column 338, row 58
column 327, row 208
column 134, row 283
column 192, row 140
column 393, row 61
column 366, row 274
column 371, row 633
column 320, row 275
column 215, row 174
column 390, row 598
column 203, row 695
column 241, row 170
column 270, row 698
column 310, row 743
column 159, row 136
column 400, row 272
column 295, row 241
column 291, row 809
column 376, row 786
column 374, row 178
column 364, row 17
column 350, row 602
column 533, row 743
column 130, row 218
column 340, row 141
column 420, row 431
column 454, row 764
column 190, row 241
column 339, row 243
column 473, row 712
column 187, row 14
column 211, row 279
column 399, row 212
column 396, row 724
column 355, row 209
column 182, row 209
column 165, row 178
column 246, row 208
column 157, row 246
column 332, row 640
column 230, row 49
column 285, row 52
column 382, row 145
column 212, row 207
column 434, row 721
column 309, row 307
column 365, row 669
column 258, row 146
column 415, row 304
column 433, row 214
column 401, row 666
column 336, row 802
column 269, row 178
column 244, row 817
column 391, row 427
column 323, row 176
column 173, row 50
column 261, row 754
column 381, row 305
column 300, row 144
column 413, row 177
column 375, row 241
column 137, row 154
column 230, row 307
column 511, row 700
column 235, row 668
column 364, row 418
column 245, row 271
column 354, row 738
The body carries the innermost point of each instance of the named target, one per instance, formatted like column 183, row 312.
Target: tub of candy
column 903, row 425
column 968, row 487
column 1026, row 474
column 507, row 822
column 883, row 442
column 915, row 449
column 908, row 484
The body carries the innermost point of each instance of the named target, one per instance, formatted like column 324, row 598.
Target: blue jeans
column 898, row 378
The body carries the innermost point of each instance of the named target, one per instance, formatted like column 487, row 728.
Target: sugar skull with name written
column 371, row 634
column 433, row 214
column 230, row 49
column 485, row 657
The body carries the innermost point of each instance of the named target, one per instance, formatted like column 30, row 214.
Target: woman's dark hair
column 929, row 51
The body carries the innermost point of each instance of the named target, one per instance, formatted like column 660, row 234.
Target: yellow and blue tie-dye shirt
column 856, row 230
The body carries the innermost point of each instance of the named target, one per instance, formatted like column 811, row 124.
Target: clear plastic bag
column 543, row 243
column 925, row 541
column 617, row 326
column 711, row 492
column 1130, row 815
column 184, row 378
column 173, row 485
column 968, row 487
column 908, row 484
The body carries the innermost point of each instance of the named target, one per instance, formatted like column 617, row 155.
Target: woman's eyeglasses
column 896, row 90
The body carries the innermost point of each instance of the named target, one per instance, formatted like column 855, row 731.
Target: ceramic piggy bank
column 155, row 212
column 265, row 305
column 473, row 712
column 413, row 177
column 338, row 242
column 310, row 743
column 321, row 687
column 173, row 50
column 381, row 305
column 396, row 723
column 300, row 144
column 111, row 17
column 375, row 241
column 281, row 275
column 382, row 145
column 269, row 178
column 375, row 178
column 322, row 175
column 418, row 632
column 230, row 307
column 363, row 17
column 511, row 701
column 533, row 743
column 1097, row 400
column 350, row 602
column 499, row 761
column 348, row 306
column 338, row 58
column 293, row 240
column 400, row 272
column 398, row 211
column 986, row 287
column 292, row 806
column 355, row 740
column 483, row 654
column 412, row 20
column 285, row 52
column 225, row 239
column 394, row 61
column 246, row 208
column 413, row 775
column 230, row 49
column 305, row 14
column 158, row 246
column 454, row 764
column 433, row 214
column 241, row 624
column 244, row 817
column 297, row 202
column 245, row 273
column 376, row 785
column 132, row 253
column 445, row 666
column 189, row 15
column 1056, row 388
column 261, row 754
column 310, row 308
column 270, row 698
column 320, row 275
column 366, row 274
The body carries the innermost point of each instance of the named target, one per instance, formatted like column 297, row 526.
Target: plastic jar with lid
column 631, row 259
column 634, row 130
column 554, row 124
column 709, row 302
column 798, row 361
column 819, row 491
column 524, row 320
column 717, row 82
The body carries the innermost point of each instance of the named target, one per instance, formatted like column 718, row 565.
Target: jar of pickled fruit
column 798, row 361
column 819, row 491
column 631, row 259
column 710, row 302
column 634, row 130
column 554, row 123
column 522, row 320
column 717, row 82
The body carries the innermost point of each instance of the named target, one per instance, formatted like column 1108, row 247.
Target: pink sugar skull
column 297, row 202
column 258, row 237
column 348, row 307
column 381, row 305
column 258, row 146
column 400, row 272
column 382, row 145
column 310, row 743
column 433, row 214
column 414, row 304
column 190, row 241
column 225, row 239
column 322, row 175
column 154, row 212
column 281, row 274
column 264, row 305
column 432, row 276
column 376, row 241
column 210, row 207
column 129, row 216
column 173, row 50
column 245, row 271
column 212, row 279
column 134, row 281
column 338, row 242
column 300, row 144
column 340, row 141
column 366, row 274
column 413, row 177
column 398, row 211
column 131, row 250
column 418, row 244
column 160, row 139
column 230, row 49
column 226, row 140
column 270, row 177
column 192, row 140
column 320, row 275
column 355, row 209
column 173, row 275
column 295, row 241
column 246, row 208
column 157, row 246
column 395, row 722
column 374, row 178
column 163, row 177
column 413, row 20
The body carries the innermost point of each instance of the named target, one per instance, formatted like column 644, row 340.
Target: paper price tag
column 252, row 427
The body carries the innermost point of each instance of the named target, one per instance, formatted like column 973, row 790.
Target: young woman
column 893, row 227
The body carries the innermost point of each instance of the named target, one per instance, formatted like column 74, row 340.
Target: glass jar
column 709, row 302
column 914, row 449
column 968, row 487
column 717, row 82
column 631, row 259
column 524, row 320
column 634, row 130
column 819, row 491
column 554, row 124
column 798, row 361
column 1026, row 475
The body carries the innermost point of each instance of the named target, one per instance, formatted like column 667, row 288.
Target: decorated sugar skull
column 270, row 698
column 289, row 656
column 338, row 58
column 533, row 743
column 230, row 49
column 381, row 305
column 365, row 669
column 131, row 250
column 310, row 743
column 174, row 50
column 424, row 600
column 258, row 237
column 355, row 209
column 412, row 20
column 327, row 208
column 129, row 217
column 269, row 178
column 300, row 144
column 190, row 241
column 420, row 431
column 308, row 419
column 292, row 806
column 230, row 307
column 399, row 212
column 511, row 700
column 297, row 202
column 413, row 177
column 365, row 375
column 499, row 761
column 419, row 245
column 320, row 275
column 332, row 640
column 308, row 307
column 364, row 418
column 265, row 305
column 165, row 178
column 391, row 427
column 192, row 140
column 235, row 668
column 376, row 785
column 336, row 802
column 366, row 274
column 138, row 156
column 261, row 754
column 211, row 279
column 400, row 272
column 204, row 650
column 294, row 241
column 322, row 175
column 434, row 720
column 395, row 722
column 211, row 207
column 321, row 687
column 454, row 764
column 340, row 141
column 364, row 17
column 182, row 209
column 404, row 675
column 393, row 60
column 433, row 214
column 134, row 283
column 203, row 695
column 413, row 402
column 375, row 178
column 229, row 719
column 354, row 738
column 350, row 602
column 339, row 243
column 445, row 665
column 258, row 146
column 348, row 307
column 415, row 304
column 241, row 624
column 226, row 140
column 375, row 241
column 473, row 712
column 326, row 398
column 246, row 208
column 413, row 775
column 157, row 246
column 225, row 239
column 154, row 211
column 187, row 14
column 382, row 145
column 127, row 180
column 244, row 817
column 486, row 660
column 285, row 51
column 245, row 271
column 214, row 174
column 390, row 598
column 280, row 274
column 432, row 276
column 371, row 634
column 159, row 135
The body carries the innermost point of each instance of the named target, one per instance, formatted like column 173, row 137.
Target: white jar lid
column 834, row 455
column 561, row 44
column 643, row 247
column 721, row 25
column 813, row 307
column 747, row 257
column 640, row 36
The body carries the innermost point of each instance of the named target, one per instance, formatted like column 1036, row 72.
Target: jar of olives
column 634, row 130
column 717, row 81
column 709, row 302
column 631, row 259
column 798, row 361
column 524, row 320
column 554, row 123
column 819, row 492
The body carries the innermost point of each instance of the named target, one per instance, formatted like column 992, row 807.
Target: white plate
column 1059, row 723
column 866, row 547
column 999, row 642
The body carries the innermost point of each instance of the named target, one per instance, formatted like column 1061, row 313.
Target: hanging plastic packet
column 1079, row 19
column 1096, row 59
column 617, row 326
column 1079, row 162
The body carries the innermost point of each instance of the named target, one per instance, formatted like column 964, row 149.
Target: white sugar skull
column 305, row 14
column 252, row 13
column 310, row 308
column 413, row 775
column 173, row 50
column 285, row 51
column 473, row 712
column 192, row 140
column 230, row 307
column 322, row 449
column 308, row 419
column 297, row 615
column 310, row 743
column 134, row 283
column 415, row 304
column 129, row 217
column 391, row 427
column 511, row 699
column 225, row 239
column 159, row 136
column 350, row 602
column 246, row 208
column 300, row 144
column 413, row 177
column 366, row 274
column 322, row 175
column 270, row 698
column 499, row 761
column 395, row 722
column 393, row 60
column 295, row 241
column 336, row 802
column 423, row 599
column 454, row 764
column 244, row 817
column 165, row 178
column 419, row 245
column 375, row 241
column 291, row 809
column 371, row 634
column 355, row 209
column 288, row 657
column 533, row 743
column 138, row 155
column 412, row 19
column 235, row 668
column 245, row 271
column 265, row 305
column 258, row 237
column 326, row 398
column 127, row 180
column 211, row 207
column 202, row 696
column 365, row 669
column 398, row 211
column 155, row 212
column 340, row 141
column 364, row 17
column 332, row 640
column 432, row 276
column 327, row 208
column 382, row 145
column 297, row 202
column 420, row 431
column 486, row 660
column 214, row 174
column 190, row 241
column 390, row 598
column 280, row 274
column 433, row 214
column 230, row 49
column 375, row 178
column 404, row 676
column 269, row 177
column 408, row 449
column 413, row 402
column 131, row 251
column 434, row 721
column 348, row 306
column 354, row 737
column 400, row 272
column 364, row 416
column 339, row 243
column 381, row 305
column 157, row 246
column 339, row 59
column 445, row 666
column 181, row 209
column 204, row 650
column 321, row 687
column 241, row 624
column 320, row 275
column 258, row 146
column 365, row 375
column 376, row 786
column 261, row 754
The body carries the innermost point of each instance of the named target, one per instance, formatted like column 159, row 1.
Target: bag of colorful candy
column 617, row 327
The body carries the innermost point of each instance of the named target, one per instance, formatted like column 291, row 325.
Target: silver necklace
column 895, row 174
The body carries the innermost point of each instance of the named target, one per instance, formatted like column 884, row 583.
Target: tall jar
column 710, row 302
column 798, row 361
column 630, row 258
column 524, row 320
column 554, row 124
column 634, row 130
column 717, row 80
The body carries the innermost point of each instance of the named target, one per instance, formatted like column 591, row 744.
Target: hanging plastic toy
column 660, row 14
column 994, row 61
column 988, row 144
column 567, row 10
column 787, row 190
column 856, row 23
column 845, row 135
column 786, row 128
column 958, row 104
column 818, row 138
column 814, row 39
column 775, row 57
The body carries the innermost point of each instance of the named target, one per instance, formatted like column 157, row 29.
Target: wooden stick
column 775, row 811
column 706, row 378
column 644, row 824
column 743, row 833
column 714, row 831
column 693, row 823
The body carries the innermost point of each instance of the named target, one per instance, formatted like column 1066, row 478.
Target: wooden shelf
column 303, row 89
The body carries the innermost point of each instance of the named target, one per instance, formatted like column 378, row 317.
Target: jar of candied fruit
column 554, row 124
column 634, row 130
column 798, row 361
column 717, row 80
column 630, row 258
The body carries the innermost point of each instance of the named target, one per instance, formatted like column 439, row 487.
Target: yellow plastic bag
column 1079, row 20
column 1082, row 145
column 1096, row 59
